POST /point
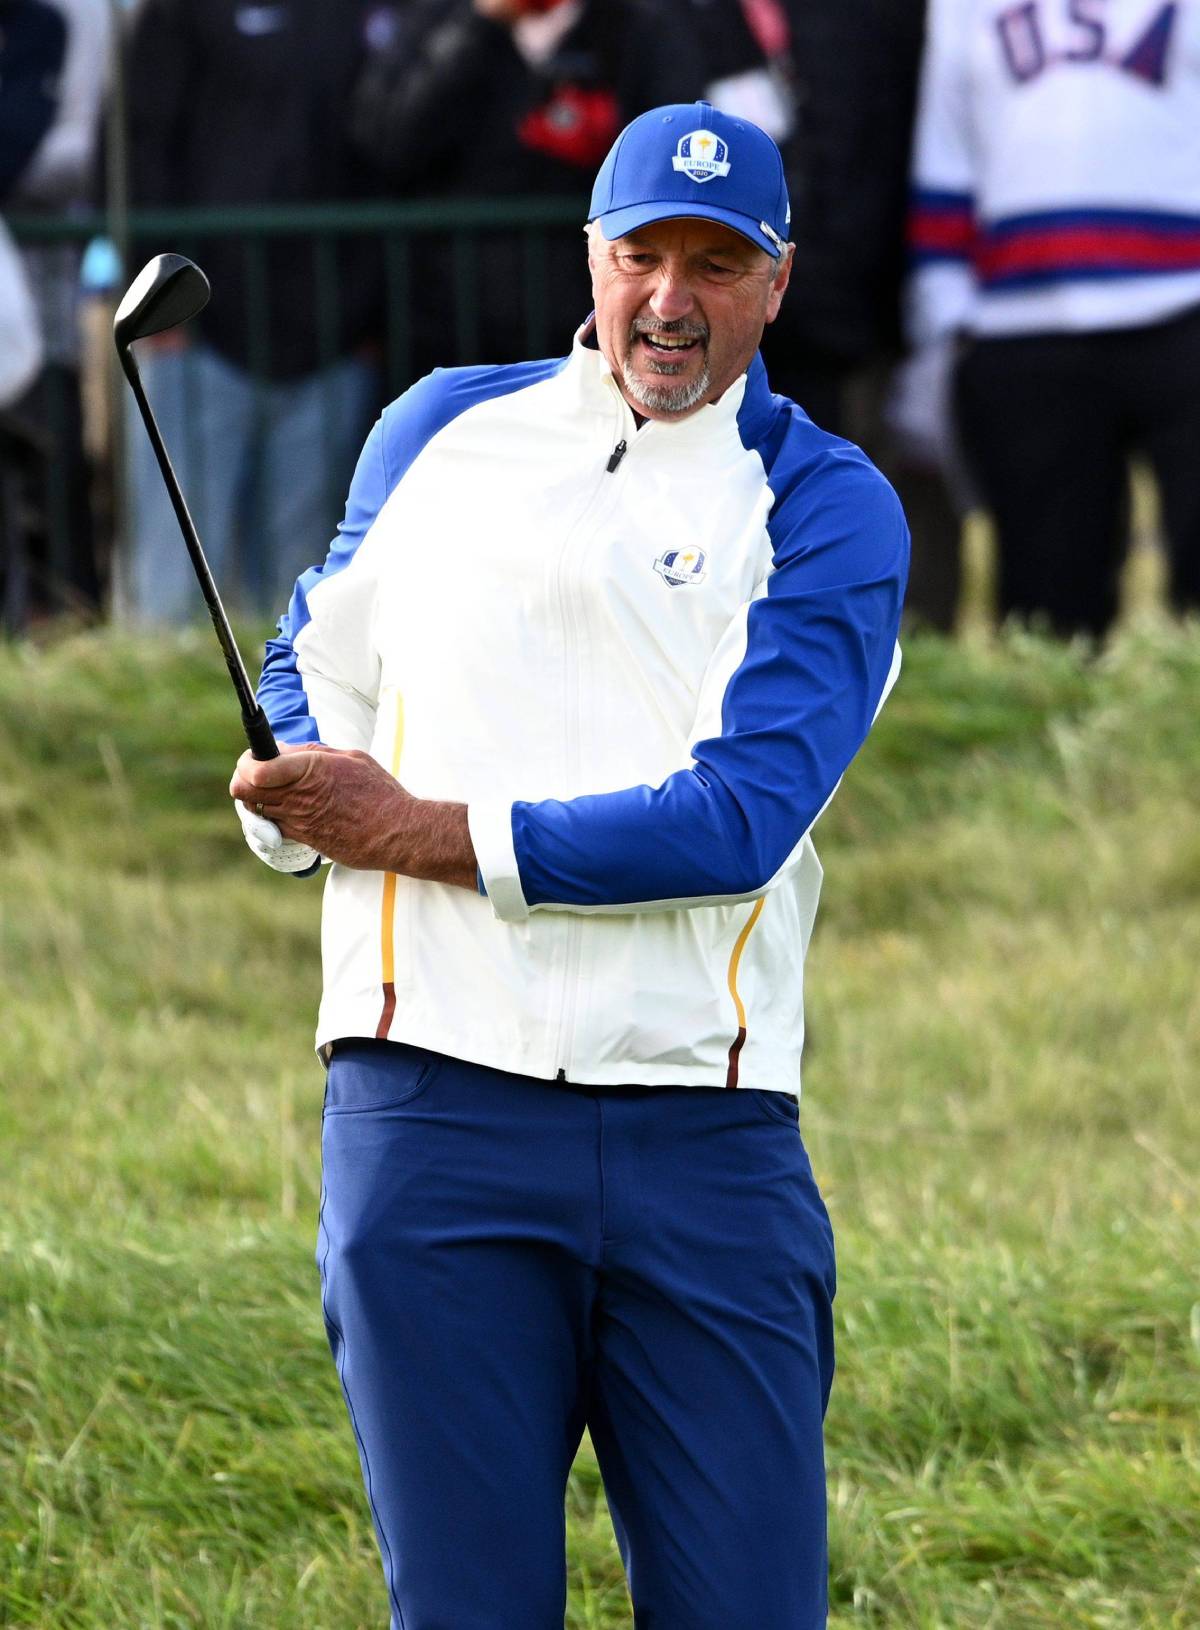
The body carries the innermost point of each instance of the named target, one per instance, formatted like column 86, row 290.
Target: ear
column 779, row 282
column 598, row 255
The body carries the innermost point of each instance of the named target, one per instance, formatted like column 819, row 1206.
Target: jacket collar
column 595, row 390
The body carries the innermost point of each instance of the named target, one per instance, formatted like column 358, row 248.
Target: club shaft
column 258, row 730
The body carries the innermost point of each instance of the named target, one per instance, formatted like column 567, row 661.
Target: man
column 842, row 75
column 237, row 104
column 32, row 50
column 596, row 643
column 835, row 82
column 32, row 47
column 67, row 567
column 549, row 84
column 1056, row 230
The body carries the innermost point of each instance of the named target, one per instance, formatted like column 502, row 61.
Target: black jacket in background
column 247, row 103
column 856, row 65
column 33, row 44
column 853, row 72
column 454, row 110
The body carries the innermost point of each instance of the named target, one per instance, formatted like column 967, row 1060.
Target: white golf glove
column 918, row 408
column 272, row 848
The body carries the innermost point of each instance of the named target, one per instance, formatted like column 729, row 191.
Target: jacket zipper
column 565, row 1039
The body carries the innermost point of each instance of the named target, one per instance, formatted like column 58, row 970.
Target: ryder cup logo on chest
column 679, row 566
column 700, row 156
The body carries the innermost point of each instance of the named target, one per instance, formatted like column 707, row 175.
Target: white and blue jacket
column 643, row 659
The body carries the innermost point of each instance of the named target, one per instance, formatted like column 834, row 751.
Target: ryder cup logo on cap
column 701, row 155
column 691, row 162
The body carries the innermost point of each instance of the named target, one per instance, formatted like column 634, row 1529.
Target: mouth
column 668, row 347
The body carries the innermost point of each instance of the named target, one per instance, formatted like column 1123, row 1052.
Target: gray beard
column 667, row 398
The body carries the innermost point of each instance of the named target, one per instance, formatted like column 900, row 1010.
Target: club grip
column 260, row 735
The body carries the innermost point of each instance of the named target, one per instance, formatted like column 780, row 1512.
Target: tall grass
column 999, row 1099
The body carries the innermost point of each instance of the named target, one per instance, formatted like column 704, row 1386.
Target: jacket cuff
column 490, row 826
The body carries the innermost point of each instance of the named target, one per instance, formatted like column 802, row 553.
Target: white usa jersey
column 1056, row 166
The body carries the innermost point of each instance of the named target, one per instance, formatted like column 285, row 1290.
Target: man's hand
column 346, row 806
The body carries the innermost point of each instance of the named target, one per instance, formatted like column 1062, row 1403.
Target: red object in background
column 533, row 7
column 768, row 22
column 576, row 126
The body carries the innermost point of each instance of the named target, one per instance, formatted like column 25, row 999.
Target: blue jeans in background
column 264, row 469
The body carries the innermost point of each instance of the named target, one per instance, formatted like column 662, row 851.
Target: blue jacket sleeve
column 318, row 680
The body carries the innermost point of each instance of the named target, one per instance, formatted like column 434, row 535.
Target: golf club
column 168, row 291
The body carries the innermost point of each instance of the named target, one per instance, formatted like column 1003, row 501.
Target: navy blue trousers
column 507, row 1261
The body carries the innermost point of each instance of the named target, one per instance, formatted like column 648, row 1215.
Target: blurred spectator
column 55, row 182
column 33, row 46
column 834, row 81
column 502, row 98
column 33, row 42
column 263, row 408
column 22, row 456
column 20, row 331
column 1056, row 234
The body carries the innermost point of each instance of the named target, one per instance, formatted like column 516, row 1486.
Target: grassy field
column 999, row 1098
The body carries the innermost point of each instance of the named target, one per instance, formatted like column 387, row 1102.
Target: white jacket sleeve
column 941, row 286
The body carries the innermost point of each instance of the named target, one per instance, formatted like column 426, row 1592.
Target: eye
column 637, row 259
column 716, row 268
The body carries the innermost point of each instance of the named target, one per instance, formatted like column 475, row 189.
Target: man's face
column 680, row 310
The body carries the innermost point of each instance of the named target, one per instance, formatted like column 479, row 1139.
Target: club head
column 166, row 292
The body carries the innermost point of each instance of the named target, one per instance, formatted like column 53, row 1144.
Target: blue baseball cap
column 688, row 161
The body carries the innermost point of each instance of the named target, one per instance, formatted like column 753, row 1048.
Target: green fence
column 397, row 233
column 399, row 228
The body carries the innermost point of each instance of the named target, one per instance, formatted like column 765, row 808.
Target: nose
column 672, row 297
